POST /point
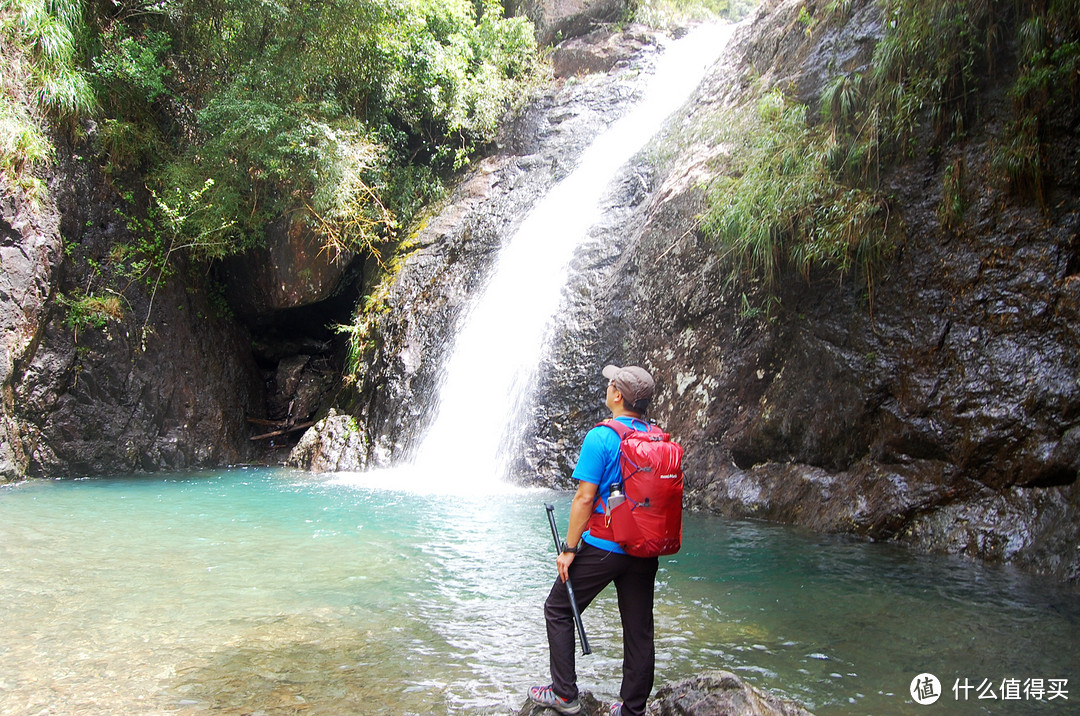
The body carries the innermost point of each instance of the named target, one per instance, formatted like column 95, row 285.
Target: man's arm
column 580, row 509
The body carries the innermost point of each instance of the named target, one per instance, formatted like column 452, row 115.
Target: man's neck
column 619, row 412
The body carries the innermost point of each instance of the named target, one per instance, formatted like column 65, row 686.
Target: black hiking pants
column 591, row 571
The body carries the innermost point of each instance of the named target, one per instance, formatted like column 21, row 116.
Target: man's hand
column 563, row 562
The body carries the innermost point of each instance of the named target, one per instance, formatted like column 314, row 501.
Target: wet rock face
column 116, row 399
column 166, row 385
column 30, row 250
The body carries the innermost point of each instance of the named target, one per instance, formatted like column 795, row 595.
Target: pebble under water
column 273, row 591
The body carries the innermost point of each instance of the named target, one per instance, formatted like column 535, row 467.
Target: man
column 593, row 563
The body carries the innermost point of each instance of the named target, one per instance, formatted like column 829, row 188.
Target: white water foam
column 498, row 348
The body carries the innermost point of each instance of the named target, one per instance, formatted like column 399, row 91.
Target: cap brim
column 610, row 371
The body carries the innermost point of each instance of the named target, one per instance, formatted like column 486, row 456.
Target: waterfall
column 498, row 348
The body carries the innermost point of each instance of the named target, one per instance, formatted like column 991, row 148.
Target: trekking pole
column 569, row 589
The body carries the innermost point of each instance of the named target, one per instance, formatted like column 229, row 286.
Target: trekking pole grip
column 569, row 589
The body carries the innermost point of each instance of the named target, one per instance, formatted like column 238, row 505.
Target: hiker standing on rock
column 592, row 562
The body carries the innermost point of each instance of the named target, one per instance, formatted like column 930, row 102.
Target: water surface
column 269, row 590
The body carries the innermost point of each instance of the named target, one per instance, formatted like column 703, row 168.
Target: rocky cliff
column 155, row 378
column 934, row 404
column 934, row 401
column 937, row 405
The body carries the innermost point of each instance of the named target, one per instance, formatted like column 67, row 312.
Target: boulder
column 334, row 444
column 590, row 706
column 558, row 20
column 713, row 693
column 293, row 269
column 719, row 693
column 600, row 51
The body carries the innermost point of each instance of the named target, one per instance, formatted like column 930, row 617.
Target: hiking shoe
column 616, row 709
column 544, row 696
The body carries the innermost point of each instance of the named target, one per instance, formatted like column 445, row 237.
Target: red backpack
column 648, row 522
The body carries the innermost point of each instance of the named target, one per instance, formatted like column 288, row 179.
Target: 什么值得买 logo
column 925, row 689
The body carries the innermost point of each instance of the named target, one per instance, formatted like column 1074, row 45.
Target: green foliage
column 177, row 211
column 1049, row 76
column 349, row 112
column 218, row 117
column 782, row 202
column 145, row 258
column 347, row 206
column 457, row 65
column 365, row 318
column 840, row 9
column 45, row 33
column 750, row 311
column 158, row 232
column 89, row 310
column 931, row 62
column 803, row 194
column 128, row 144
column 131, row 73
column 22, row 148
column 952, row 205
column 1019, row 157
column 268, row 158
column 39, row 77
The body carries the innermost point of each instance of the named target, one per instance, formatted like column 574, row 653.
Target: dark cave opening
column 300, row 356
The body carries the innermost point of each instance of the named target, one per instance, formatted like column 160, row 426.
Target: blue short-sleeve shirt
column 598, row 464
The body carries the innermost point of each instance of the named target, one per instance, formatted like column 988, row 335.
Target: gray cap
column 634, row 382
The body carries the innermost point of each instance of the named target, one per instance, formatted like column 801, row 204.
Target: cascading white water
column 498, row 348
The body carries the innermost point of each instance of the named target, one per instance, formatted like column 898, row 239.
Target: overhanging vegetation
column 801, row 186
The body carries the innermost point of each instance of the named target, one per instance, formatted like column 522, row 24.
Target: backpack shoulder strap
column 621, row 430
